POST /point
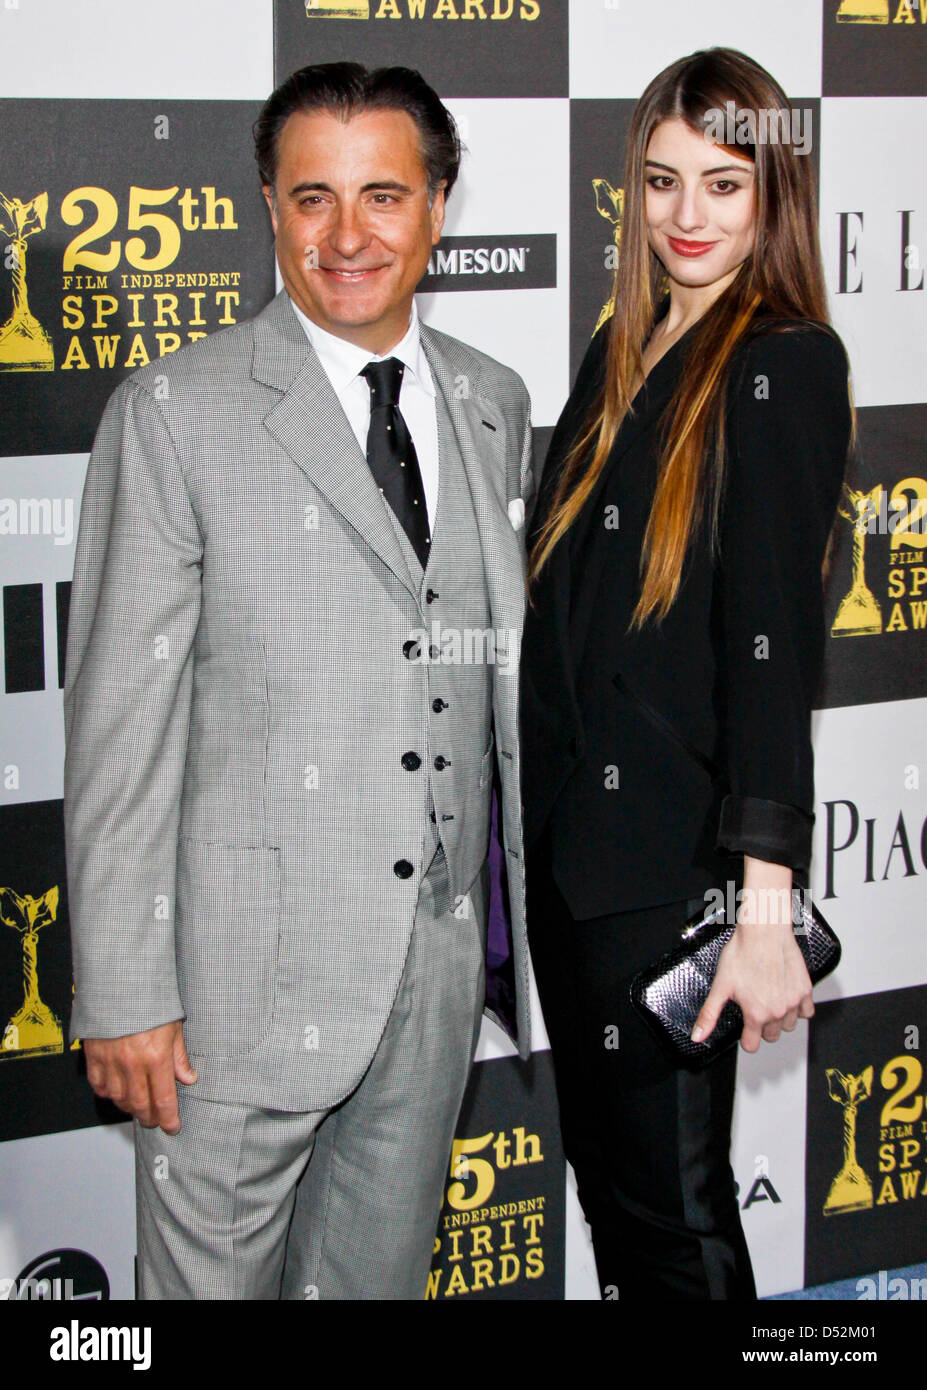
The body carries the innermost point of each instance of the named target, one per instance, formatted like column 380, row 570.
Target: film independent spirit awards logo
column 903, row 514
column 422, row 9
column 878, row 12
column 902, row 1129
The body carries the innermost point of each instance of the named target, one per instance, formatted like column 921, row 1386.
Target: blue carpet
column 879, row 1286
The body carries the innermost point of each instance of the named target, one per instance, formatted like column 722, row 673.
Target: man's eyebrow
column 377, row 185
column 746, row 168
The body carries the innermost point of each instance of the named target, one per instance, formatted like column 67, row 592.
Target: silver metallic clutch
column 670, row 993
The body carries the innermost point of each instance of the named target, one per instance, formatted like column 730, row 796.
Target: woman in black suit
column 670, row 657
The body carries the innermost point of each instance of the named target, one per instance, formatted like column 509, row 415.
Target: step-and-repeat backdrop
column 131, row 223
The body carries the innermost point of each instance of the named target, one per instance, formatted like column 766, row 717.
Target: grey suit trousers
column 246, row 1203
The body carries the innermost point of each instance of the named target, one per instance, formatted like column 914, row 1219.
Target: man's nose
column 348, row 232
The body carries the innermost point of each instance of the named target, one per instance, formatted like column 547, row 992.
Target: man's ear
column 271, row 201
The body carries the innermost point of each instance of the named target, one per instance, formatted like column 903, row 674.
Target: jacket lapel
column 649, row 406
column 462, row 433
column 309, row 423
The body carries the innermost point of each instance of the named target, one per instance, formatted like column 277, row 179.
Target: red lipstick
column 690, row 248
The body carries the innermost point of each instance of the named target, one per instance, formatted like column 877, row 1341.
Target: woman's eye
column 661, row 181
column 726, row 186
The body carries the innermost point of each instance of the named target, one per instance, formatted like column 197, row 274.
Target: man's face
column 352, row 223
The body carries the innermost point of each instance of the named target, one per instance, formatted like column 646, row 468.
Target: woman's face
column 699, row 203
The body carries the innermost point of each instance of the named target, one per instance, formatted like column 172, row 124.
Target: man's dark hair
column 345, row 89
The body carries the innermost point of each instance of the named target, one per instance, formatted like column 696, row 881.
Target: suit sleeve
column 787, row 437
column 528, row 491
column 135, row 604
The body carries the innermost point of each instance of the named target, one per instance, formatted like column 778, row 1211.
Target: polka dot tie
column 391, row 454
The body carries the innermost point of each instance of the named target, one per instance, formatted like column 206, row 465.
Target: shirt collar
column 344, row 361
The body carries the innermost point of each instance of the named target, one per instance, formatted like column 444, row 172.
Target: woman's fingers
column 710, row 1010
column 770, row 983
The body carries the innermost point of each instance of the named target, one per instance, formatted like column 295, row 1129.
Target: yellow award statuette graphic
column 24, row 344
column 900, row 514
column 337, row 9
column 851, row 1189
column 863, row 12
column 33, row 1029
column 609, row 203
column 859, row 612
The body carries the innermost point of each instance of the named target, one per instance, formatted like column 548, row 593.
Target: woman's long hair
column 782, row 278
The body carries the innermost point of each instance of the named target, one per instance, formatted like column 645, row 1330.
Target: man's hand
column 138, row 1073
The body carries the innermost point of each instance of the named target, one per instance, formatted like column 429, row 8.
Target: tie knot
column 384, row 379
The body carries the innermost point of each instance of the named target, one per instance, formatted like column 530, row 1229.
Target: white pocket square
column 517, row 513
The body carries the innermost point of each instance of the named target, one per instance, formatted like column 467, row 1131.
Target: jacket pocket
column 228, row 933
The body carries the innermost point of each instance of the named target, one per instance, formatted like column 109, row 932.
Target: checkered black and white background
column 133, row 119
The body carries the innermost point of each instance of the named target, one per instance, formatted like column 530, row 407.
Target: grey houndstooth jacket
column 236, row 702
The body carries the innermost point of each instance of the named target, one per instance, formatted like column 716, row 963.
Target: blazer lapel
column 461, row 431
column 309, row 423
column 649, row 406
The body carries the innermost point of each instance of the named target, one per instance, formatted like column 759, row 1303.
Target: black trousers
column 649, row 1142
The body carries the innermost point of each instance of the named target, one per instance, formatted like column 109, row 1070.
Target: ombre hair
column 780, row 284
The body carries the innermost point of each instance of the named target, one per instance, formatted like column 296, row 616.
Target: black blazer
column 652, row 757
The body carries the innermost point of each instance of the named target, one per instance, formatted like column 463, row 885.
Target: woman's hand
column 761, row 968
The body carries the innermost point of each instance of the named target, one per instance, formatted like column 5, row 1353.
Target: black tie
column 391, row 454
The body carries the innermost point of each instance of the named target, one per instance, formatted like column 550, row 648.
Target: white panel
column 74, row 1190
column 514, row 181
column 33, row 727
column 870, row 165
column 769, row 1139
column 213, row 49
column 872, row 756
column 618, row 46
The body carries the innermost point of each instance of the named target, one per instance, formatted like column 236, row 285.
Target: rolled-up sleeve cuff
column 768, row 830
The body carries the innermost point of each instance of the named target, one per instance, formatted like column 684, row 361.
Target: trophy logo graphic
column 25, row 346
column 33, row 1029
column 337, row 9
column 851, row 1189
column 859, row 613
column 609, row 203
column 863, row 12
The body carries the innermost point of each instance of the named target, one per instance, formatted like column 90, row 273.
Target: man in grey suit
column 294, row 630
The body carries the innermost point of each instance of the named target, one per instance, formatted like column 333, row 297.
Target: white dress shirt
column 343, row 363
